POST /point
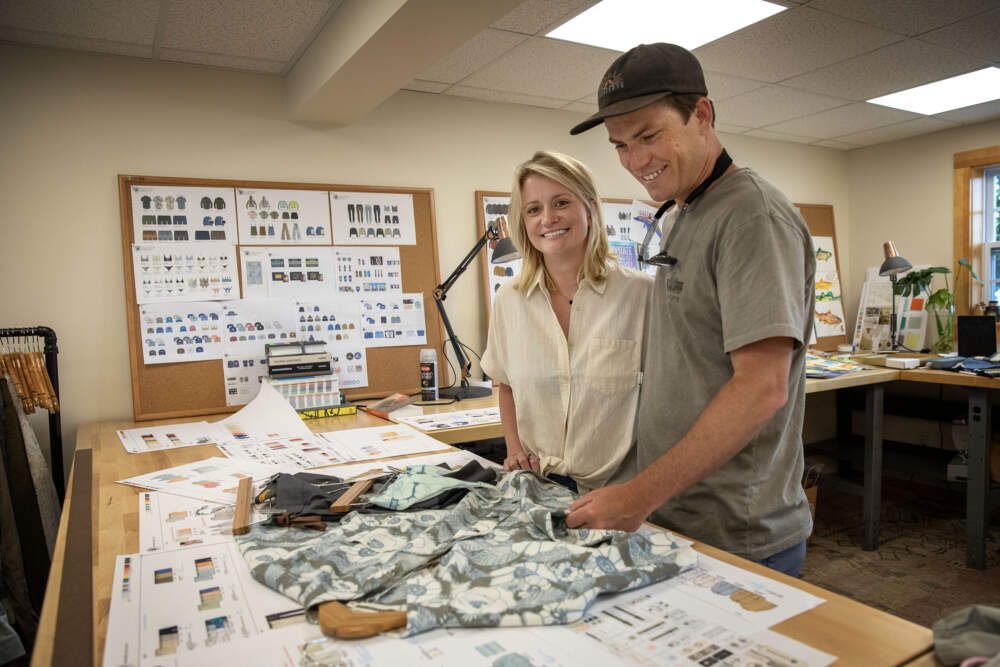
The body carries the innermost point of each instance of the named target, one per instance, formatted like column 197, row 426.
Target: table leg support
column 977, row 491
column 872, row 503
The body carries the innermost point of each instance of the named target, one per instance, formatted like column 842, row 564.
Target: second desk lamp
column 892, row 267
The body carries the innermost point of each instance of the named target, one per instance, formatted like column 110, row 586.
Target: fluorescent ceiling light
column 621, row 24
column 954, row 93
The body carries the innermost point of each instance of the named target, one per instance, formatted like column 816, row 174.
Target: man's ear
column 704, row 111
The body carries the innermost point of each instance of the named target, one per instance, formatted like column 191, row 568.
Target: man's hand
column 618, row 507
column 519, row 459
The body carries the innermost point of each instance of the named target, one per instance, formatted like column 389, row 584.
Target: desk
column 859, row 635
column 977, row 490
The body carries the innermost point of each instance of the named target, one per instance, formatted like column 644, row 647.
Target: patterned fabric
column 502, row 556
column 421, row 482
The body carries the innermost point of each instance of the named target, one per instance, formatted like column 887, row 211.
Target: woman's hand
column 519, row 459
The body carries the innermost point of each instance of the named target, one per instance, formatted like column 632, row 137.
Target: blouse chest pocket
column 612, row 365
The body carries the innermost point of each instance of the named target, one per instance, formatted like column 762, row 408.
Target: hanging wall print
column 372, row 218
column 494, row 210
column 168, row 273
column 367, row 271
column 162, row 213
column 173, row 332
column 393, row 319
column 829, row 315
column 292, row 273
column 331, row 320
column 283, row 217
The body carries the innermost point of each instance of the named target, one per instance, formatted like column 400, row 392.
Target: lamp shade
column 893, row 263
column 505, row 251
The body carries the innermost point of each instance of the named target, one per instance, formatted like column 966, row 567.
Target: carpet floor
column 918, row 572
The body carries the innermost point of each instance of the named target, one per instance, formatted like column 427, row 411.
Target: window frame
column 969, row 217
column 991, row 248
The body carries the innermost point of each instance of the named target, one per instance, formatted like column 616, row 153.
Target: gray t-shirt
column 745, row 272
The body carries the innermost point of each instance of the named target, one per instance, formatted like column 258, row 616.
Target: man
column 719, row 454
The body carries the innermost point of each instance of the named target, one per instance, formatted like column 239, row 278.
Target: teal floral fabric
column 501, row 556
column 419, row 483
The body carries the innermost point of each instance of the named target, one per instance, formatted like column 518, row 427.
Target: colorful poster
column 169, row 273
column 393, row 319
column 299, row 273
column 495, row 211
column 332, row 320
column 373, row 218
column 829, row 309
column 363, row 271
column 283, row 217
column 167, row 213
column 173, row 332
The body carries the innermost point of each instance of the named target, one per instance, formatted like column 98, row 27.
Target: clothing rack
column 51, row 352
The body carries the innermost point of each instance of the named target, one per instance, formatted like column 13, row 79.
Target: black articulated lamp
column 893, row 266
column 503, row 252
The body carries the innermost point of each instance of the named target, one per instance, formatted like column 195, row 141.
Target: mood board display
column 216, row 269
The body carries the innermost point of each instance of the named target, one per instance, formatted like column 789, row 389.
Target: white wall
column 72, row 122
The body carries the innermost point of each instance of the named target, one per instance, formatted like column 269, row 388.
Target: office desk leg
column 977, row 492
column 872, row 505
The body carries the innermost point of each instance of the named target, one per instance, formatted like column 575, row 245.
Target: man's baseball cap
column 642, row 75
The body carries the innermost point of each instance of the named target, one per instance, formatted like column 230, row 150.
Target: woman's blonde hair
column 572, row 174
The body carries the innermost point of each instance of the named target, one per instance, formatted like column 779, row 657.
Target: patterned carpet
column 918, row 571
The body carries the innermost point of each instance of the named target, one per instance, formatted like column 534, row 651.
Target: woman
column 565, row 338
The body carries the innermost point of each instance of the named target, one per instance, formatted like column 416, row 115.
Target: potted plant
column 941, row 302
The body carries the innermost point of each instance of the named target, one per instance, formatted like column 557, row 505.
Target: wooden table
column 978, row 495
column 858, row 634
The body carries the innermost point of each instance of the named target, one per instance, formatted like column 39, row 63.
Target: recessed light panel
column 954, row 93
column 622, row 24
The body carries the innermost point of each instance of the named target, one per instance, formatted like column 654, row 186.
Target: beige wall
column 72, row 122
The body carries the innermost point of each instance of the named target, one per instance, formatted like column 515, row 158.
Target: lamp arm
column 463, row 362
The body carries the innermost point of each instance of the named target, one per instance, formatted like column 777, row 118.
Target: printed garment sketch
column 501, row 556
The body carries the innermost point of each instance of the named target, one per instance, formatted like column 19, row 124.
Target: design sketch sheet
column 361, row 444
column 173, row 332
column 168, row 521
column 169, row 273
column 213, row 480
column 373, row 218
column 283, row 217
column 393, row 319
column 166, row 213
column 363, row 271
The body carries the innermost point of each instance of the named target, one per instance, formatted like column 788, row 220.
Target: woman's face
column 555, row 219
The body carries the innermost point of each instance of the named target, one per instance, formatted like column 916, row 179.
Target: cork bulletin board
column 191, row 388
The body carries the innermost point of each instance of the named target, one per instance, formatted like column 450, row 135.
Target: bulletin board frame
column 167, row 391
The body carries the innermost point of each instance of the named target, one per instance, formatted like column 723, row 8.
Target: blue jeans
column 788, row 561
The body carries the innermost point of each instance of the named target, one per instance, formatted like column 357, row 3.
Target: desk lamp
column 503, row 252
column 893, row 266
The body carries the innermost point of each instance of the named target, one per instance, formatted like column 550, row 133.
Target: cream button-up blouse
column 576, row 398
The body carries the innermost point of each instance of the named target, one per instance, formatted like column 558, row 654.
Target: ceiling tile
column 910, row 128
column 833, row 143
column 773, row 104
column 479, row 51
column 426, row 86
column 977, row 36
column 75, row 43
column 264, row 29
column 535, row 16
column 219, row 60
column 890, row 69
column 778, row 136
column 582, row 107
column 546, row 68
column 505, row 97
column 128, row 21
column 844, row 120
column 977, row 113
column 729, row 128
column 909, row 17
column 722, row 86
column 793, row 42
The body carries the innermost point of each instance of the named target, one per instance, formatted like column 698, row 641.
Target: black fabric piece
column 22, row 491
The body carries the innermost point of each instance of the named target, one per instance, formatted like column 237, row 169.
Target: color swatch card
column 335, row 319
column 168, row 521
column 168, row 605
column 243, row 365
column 495, row 211
column 393, row 319
column 446, row 420
column 156, row 438
column 363, row 271
column 277, row 217
column 171, row 273
column 173, row 332
column 166, row 213
column 299, row 273
column 361, row 444
column 372, row 218
column 212, row 480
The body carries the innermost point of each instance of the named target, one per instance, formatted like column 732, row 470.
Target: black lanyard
column 663, row 258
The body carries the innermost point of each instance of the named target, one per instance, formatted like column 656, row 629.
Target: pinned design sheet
column 185, row 272
column 258, row 322
column 167, row 522
column 349, row 362
column 163, row 213
column 332, row 320
column 393, row 319
column 373, row 218
column 173, row 332
column 168, row 605
column 297, row 273
column 363, row 271
column 283, row 217
column 243, row 366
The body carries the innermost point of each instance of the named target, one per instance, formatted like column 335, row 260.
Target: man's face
column 665, row 154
